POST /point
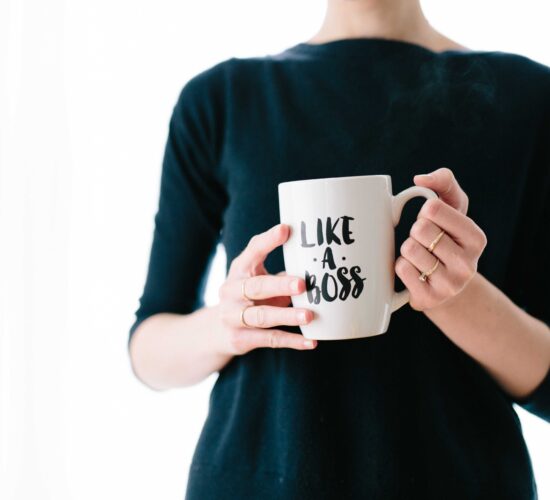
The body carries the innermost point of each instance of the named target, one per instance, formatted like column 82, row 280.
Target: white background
column 86, row 91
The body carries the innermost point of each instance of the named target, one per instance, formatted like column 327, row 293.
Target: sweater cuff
column 538, row 401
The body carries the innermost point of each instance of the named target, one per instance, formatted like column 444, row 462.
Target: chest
column 286, row 139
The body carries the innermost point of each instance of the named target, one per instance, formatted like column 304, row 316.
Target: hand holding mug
column 459, row 243
column 253, row 301
column 342, row 244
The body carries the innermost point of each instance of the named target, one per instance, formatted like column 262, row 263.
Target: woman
column 424, row 410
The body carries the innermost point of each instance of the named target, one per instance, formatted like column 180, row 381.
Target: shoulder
column 515, row 61
column 519, row 77
column 514, row 85
column 224, row 72
column 525, row 84
column 505, row 66
column 204, row 87
column 224, row 80
column 518, row 68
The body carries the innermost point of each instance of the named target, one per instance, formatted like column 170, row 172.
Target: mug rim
column 334, row 179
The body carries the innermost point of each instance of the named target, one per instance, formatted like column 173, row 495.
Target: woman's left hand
column 458, row 250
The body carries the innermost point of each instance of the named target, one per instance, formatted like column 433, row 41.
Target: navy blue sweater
column 406, row 414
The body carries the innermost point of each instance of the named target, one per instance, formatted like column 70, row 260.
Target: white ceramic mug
column 342, row 242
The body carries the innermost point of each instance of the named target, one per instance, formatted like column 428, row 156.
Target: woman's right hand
column 269, row 300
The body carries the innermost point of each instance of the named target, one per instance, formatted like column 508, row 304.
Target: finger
column 419, row 257
column 444, row 183
column 459, row 226
column 250, row 338
column 268, row 316
column 259, row 246
column 444, row 281
column 425, row 231
column 267, row 285
column 409, row 276
column 283, row 301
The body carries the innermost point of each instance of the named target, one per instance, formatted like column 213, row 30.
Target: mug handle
column 398, row 201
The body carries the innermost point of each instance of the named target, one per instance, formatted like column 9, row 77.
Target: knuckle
column 238, row 266
column 408, row 247
column 484, row 238
column 481, row 240
column 419, row 228
column 403, row 248
column 431, row 207
column 400, row 265
column 448, row 173
column 254, row 241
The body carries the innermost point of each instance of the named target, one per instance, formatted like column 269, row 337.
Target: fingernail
column 302, row 318
column 308, row 343
column 429, row 176
column 295, row 285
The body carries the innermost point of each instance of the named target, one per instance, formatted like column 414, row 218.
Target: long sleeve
column 538, row 402
column 528, row 281
column 191, row 201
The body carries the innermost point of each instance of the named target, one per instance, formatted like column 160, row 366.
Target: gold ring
column 435, row 241
column 424, row 274
column 245, row 297
column 243, row 322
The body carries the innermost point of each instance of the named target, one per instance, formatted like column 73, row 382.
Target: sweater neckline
column 352, row 48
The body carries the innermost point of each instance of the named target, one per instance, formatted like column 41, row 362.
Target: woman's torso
column 405, row 414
